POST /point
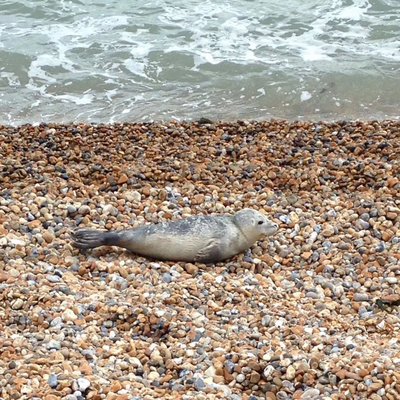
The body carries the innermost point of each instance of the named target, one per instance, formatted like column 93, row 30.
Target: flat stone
column 53, row 278
column 360, row 297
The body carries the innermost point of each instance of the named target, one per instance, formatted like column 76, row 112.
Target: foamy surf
column 223, row 60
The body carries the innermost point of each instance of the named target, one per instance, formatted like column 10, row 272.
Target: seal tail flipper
column 89, row 238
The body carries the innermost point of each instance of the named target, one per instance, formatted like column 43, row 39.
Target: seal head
column 254, row 224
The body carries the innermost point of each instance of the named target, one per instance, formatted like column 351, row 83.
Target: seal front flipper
column 210, row 254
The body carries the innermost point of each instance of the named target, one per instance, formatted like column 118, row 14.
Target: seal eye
column 260, row 222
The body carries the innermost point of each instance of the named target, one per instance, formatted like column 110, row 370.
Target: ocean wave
column 114, row 61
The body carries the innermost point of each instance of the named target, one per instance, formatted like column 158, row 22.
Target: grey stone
column 71, row 209
column 266, row 320
column 361, row 297
column 363, row 224
column 365, row 216
column 312, row 295
column 53, row 278
column 53, row 381
column 54, row 344
column 381, row 247
column 199, row 384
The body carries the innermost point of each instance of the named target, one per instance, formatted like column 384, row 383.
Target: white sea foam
column 79, row 100
column 11, row 78
column 305, row 96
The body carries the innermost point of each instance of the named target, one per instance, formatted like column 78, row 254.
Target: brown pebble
column 198, row 198
column 47, row 236
column 391, row 215
column 115, row 386
column 191, row 269
column 255, row 377
column 51, row 397
column 122, row 179
column 375, row 386
column 270, row 396
column 353, row 375
column 341, row 374
column 363, row 372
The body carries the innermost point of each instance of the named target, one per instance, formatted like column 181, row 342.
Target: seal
column 204, row 238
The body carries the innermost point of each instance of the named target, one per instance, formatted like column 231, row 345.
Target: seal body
column 206, row 239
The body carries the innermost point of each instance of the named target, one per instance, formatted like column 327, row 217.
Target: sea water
column 127, row 60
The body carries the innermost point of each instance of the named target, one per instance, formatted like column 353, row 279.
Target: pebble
column 381, row 247
column 199, row 384
column 83, row 384
column 310, row 394
column 47, row 236
column 110, row 209
column 364, row 224
column 361, row 297
column 54, row 344
column 53, row 381
column 68, row 315
column 293, row 317
column 17, row 304
column 53, row 278
column 266, row 320
column 290, row 372
column 71, row 209
column 83, row 210
column 167, row 277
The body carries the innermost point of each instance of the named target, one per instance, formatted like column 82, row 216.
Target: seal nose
column 276, row 226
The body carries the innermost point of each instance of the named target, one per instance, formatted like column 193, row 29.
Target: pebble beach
column 308, row 313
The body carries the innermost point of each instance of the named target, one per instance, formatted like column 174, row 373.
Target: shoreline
column 205, row 120
column 296, row 317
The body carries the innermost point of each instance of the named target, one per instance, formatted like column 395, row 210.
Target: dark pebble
column 380, row 247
